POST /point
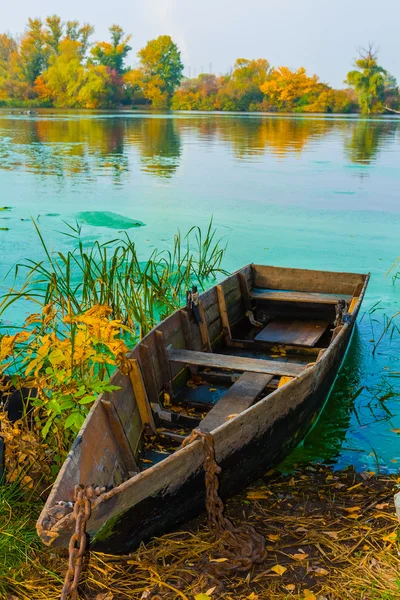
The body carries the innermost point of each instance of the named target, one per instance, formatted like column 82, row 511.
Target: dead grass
column 330, row 536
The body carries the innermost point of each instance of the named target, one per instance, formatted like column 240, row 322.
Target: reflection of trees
column 159, row 144
column 67, row 146
column 91, row 145
column 367, row 137
column 254, row 135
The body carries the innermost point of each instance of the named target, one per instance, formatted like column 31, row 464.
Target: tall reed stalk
column 140, row 293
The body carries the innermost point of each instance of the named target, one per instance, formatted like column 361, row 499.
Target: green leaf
column 70, row 421
column 53, row 405
column 46, row 428
column 87, row 399
column 79, row 420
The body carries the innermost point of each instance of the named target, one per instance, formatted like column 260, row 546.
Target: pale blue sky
column 321, row 35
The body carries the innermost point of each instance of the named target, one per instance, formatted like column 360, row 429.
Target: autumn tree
column 69, row 83
column 160, row 70
column 113, row 54
column 371, row 82
column 288, row 90
column 243, row 86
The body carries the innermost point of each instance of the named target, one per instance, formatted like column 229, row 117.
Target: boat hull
column 161, row 513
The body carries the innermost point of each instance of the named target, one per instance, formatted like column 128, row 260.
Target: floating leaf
column 279, row 569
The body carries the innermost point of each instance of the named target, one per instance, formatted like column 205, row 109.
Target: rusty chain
column 241, row 546
column 77, row 543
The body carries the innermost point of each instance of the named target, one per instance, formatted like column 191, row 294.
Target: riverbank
column 330, row 535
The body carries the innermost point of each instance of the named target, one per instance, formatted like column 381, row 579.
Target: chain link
column 242, row 546
column 77, row 543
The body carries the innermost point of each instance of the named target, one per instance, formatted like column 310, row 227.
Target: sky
column 323, row 36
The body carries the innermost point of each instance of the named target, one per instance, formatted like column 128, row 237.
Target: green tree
column 371, row 82
column 112, row 55
column 161, row 64
column 32, row 51
column 80, row 34
column 53, row 33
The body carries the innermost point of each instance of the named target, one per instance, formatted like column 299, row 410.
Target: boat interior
column 231, row 346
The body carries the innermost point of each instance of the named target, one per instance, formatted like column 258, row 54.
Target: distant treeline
column 54, row 64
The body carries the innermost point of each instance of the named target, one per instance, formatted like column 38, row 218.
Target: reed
column 140, row 293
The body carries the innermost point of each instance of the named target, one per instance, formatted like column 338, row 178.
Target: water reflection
column 91, row 146
column 366, row 138
column 327, row 437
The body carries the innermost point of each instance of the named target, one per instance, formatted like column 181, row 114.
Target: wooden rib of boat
column 252, row 362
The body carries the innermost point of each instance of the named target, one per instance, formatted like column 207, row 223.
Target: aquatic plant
column 139, row 293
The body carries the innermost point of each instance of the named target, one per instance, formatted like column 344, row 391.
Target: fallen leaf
column 301, row 556
column 106, row 596
column 258, row 495
column 354, row 516
column 210, row 591
column 395, row 430
column 332, row 534
column 252, row 596
column 218, row 560
column 308, row 595
column 320, row 571
column 273, row 537
column 202, row 597
column 381, row 506
column 391, row 537
column 292, row 481
column 279, row 569
column 290, row 588
column 353, row 509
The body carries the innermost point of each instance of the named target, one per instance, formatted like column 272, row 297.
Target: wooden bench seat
column 236, row 363
column 240, row 396
column 295, row 332
column 293, row 296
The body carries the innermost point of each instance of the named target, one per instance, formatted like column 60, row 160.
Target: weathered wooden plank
column 238, row 398
column 148, row 372
column 140, row 392
column 292, row 331
column 203, row 326
column 239, row 363
column 119, row 434
column 163, row 361
column 304, row 280
column 295, row 296
column 224, row 315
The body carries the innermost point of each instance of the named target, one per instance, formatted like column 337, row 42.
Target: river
column 303, row 191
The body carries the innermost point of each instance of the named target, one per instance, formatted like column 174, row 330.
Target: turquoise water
column 314, row 192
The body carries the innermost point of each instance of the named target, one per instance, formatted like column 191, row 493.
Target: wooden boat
column 251, row 360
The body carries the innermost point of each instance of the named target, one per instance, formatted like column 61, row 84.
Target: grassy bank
column 330, row 536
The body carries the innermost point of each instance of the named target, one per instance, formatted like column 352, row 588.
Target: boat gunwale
column 195, row 446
